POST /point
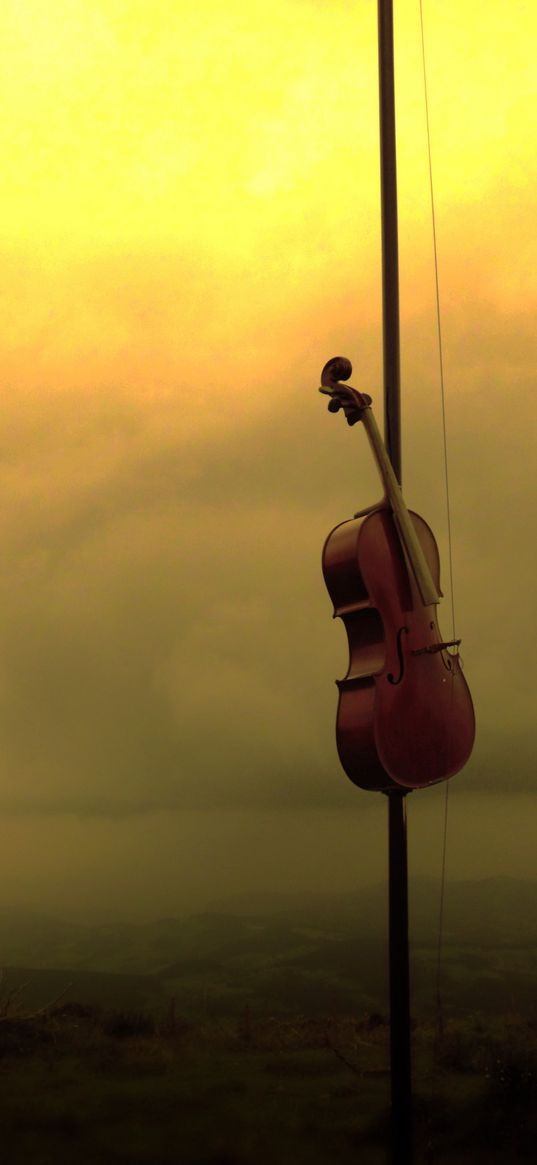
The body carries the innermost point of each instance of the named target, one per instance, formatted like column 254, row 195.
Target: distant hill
column 493, row 909
column 288, row 952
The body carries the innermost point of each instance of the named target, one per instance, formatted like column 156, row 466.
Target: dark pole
column 401, row 1081
column 390, row 251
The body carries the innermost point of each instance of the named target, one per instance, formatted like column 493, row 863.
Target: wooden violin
column 405, row 715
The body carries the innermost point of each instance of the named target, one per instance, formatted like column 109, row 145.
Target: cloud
column 166, row 638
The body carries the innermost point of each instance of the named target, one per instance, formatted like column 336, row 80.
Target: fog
column 169, row 472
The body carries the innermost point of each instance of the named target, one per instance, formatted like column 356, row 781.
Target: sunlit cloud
column 190, row 228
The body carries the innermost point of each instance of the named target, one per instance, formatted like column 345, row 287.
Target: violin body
column 405, row 715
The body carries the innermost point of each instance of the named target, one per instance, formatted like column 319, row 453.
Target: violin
column 405, row 715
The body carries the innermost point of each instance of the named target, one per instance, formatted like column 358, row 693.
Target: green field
column 82, row 1085
column 259, row 1035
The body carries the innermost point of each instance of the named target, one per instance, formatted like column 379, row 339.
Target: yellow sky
column 174, row 170
column 190, row 227
column 137, row 124
column 173, row 173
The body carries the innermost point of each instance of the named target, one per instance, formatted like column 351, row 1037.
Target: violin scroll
column 343, row 396
column 338, row 368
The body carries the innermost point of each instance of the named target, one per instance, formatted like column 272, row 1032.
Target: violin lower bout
column 405, row 714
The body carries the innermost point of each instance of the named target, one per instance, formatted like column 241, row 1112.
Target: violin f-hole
column 390, row 677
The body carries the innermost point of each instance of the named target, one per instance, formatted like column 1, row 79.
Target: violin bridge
column 434, row 647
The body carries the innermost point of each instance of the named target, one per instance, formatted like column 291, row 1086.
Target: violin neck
column 405, row 526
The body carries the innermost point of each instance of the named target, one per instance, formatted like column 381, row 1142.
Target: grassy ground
column 116, row 1088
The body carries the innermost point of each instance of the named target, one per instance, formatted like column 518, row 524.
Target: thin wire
column 439, row 328
column 439, row 1013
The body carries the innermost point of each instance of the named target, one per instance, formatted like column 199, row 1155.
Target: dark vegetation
column 260, row 1035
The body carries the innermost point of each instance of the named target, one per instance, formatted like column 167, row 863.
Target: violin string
column 439, row 1013
column 438, row 325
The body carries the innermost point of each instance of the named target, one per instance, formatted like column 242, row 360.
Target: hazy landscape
column 257, row 1030
column 283, row 953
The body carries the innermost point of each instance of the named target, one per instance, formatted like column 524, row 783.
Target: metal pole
column 401, row 1079
column 390, row 253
